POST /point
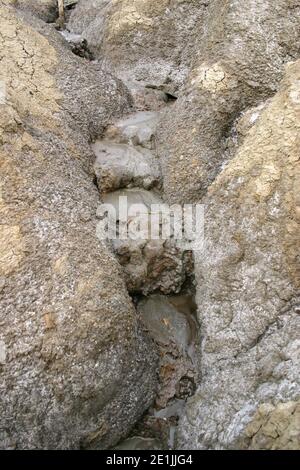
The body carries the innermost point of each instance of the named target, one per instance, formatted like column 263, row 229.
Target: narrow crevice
column 95, row 183
column 159, row 275
column 178, row 366
column 170, row 98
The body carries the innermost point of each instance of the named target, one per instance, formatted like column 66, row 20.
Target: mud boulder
column 239, row 59
column 136, row 129
column 150, row 264
column 248, row 290
column 123, row 166
column 78, row 369
column 173, row 327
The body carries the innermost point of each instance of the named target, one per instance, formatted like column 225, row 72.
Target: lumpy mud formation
column 145, row 344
